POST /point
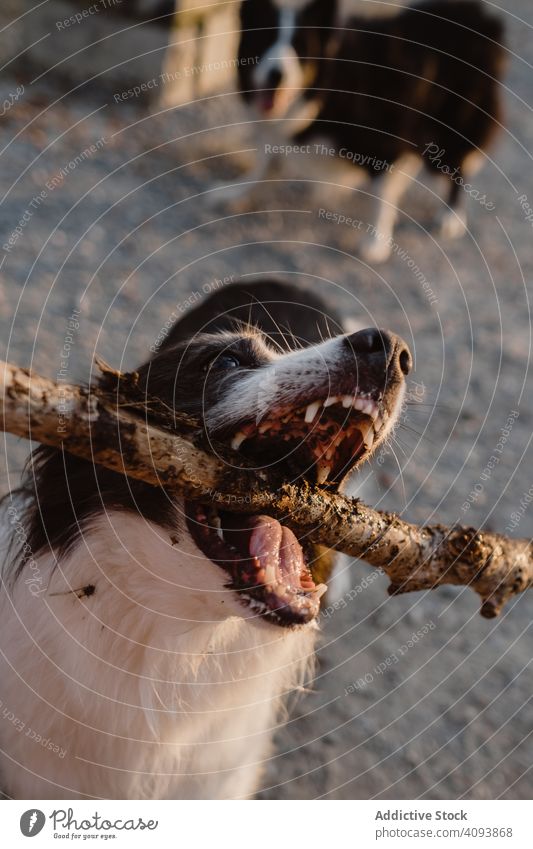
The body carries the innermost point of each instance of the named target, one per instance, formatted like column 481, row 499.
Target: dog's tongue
column 276, row 548
column 278, row 551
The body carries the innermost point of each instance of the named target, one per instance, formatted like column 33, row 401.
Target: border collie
column 384, row 95
column 147, row 643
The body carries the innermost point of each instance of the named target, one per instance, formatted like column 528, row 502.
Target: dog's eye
column 226, row 362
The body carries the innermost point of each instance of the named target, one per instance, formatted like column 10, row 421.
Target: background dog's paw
column 451, row 225
column 374, row 250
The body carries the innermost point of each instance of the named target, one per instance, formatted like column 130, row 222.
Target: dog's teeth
column 216, row 524
column 332, row 400
column 319, row 591
column 347, row 401
column 359, row 404
column 237, row 440
column 311, row 411
column 368, row 409
column 322, row 472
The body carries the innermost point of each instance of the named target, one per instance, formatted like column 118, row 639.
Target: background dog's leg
column 390, row 189
column 453, row 221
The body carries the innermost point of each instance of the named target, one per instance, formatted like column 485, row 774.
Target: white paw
column 452, row 225
column 375, row 249
column 224, row 195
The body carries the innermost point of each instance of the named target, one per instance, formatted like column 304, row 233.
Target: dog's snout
column 369, row 341
column 381, row 343
column 274, row 78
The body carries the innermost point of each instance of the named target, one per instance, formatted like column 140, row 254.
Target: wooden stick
column 102, row 424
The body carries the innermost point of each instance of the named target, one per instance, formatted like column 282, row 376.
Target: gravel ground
column 126, row 235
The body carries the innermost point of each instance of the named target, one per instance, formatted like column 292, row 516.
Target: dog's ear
column 288, row 315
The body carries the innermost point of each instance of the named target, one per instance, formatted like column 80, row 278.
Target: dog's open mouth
column 265, row 561
column 322, row 440
column 268, row 566
column 265, row 101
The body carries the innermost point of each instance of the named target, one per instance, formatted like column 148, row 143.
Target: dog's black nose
column 391, row 348
column 274, row 78
column 405, row 360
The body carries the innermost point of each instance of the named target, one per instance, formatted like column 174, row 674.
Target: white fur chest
column 158, row 685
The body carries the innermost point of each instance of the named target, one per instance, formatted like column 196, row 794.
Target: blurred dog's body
column 382, row 95
column 148, row 643
column 156, row 11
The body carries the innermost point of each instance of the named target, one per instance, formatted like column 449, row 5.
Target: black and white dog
column 385, row 94
column 147, row 643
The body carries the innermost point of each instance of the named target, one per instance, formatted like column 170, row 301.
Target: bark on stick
column 108, row 427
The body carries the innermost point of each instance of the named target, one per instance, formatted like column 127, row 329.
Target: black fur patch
column 427, row 76
column 289, row 316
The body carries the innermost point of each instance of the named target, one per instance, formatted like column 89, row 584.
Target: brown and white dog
column 383, row 96
column 147, row 643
